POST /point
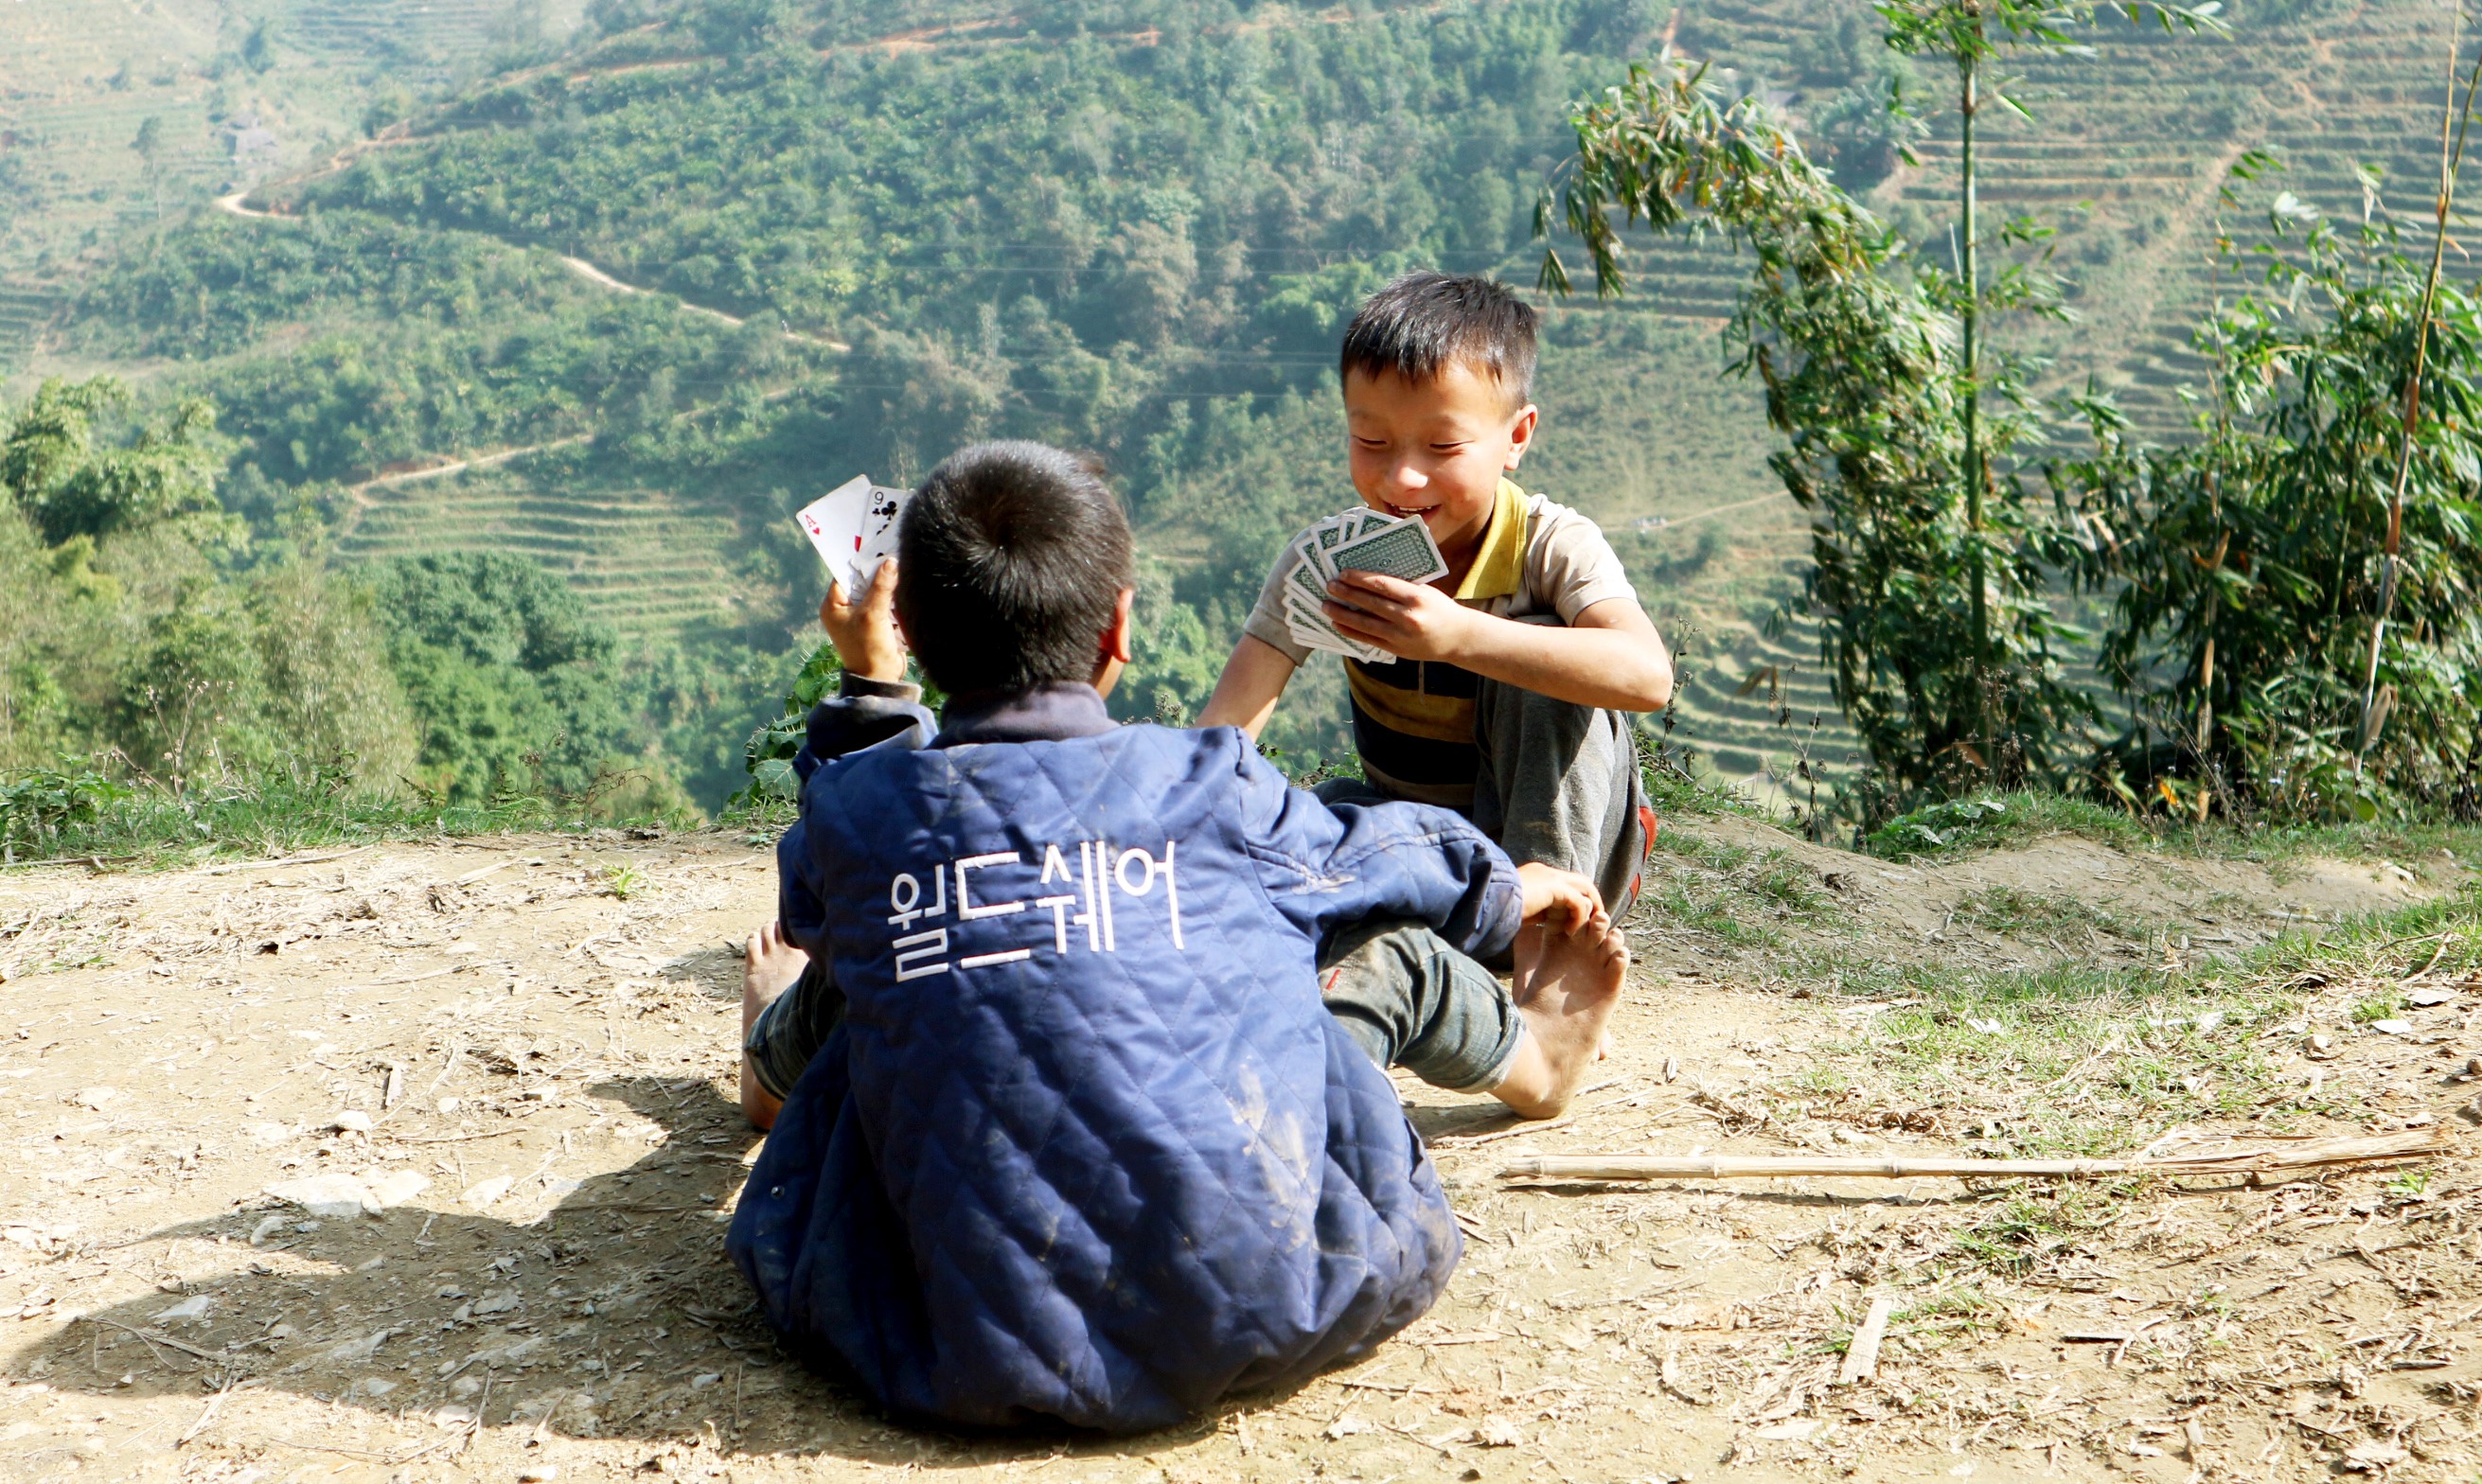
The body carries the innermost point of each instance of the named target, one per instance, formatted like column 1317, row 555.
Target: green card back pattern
column 1402, row 552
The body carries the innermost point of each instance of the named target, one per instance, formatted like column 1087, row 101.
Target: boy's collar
column 1053, row 713
column 1498, row 568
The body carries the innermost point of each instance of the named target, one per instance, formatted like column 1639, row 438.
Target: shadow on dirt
column 616, row 1315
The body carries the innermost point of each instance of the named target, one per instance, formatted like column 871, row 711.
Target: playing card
column 1325, row 538
column 1402, row 549
column 880, row 515
column 1305, row 583
column 833, row 522
column 1312, row 629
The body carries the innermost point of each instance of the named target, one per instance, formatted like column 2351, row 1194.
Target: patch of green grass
column 1996, row 822
column 2038, row 915
column 2412, row 1183
column 2033, row 1223
column 1735, row 894
column 1959, row 827
column 281, row 813
column 1701, row 906
column 2379, row 1008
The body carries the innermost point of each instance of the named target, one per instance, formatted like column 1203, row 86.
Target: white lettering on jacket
column 1101, row 874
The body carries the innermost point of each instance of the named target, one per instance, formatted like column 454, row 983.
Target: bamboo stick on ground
column 1861, row 1357
column 2258, row 1157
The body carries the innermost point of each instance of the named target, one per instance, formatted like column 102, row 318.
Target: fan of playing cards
column 1356, row 541
column 854, row 526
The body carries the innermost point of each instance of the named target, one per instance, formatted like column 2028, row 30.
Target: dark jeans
column 791, row 1029
column 1399, row 990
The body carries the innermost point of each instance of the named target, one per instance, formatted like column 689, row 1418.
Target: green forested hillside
column 657, row 292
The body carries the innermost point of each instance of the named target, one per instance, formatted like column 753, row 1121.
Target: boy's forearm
column 1610, row 668
column 1246, row 694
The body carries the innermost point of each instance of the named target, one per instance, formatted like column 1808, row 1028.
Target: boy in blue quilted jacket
column 1063, row 1124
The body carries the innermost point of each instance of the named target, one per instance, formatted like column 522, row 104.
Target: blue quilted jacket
column 1087, row 1145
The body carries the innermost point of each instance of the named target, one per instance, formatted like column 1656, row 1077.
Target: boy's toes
column 769, row 964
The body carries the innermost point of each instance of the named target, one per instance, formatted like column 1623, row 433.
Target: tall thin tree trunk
column 1967, row 268
column 2374, row 716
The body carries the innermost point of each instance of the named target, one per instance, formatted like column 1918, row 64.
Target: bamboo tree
column 2451, row 159
column 1855, row 340
column 1974, row 35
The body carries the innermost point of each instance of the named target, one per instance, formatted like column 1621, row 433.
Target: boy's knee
column 1526, row 721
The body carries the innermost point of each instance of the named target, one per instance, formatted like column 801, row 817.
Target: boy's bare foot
column 769, row 965
column 1566, row 996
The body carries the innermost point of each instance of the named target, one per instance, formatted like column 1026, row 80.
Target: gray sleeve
column 1571, row 567
column 1266, row 620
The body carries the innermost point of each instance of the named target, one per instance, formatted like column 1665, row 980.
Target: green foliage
column 515, row 685
column 1855, row 341
column 69, row 483
column 768, row 755
column 2241, row 568
column 196, row 679
column 1130, row 228
column 37, row 803
column 1081, row 241
column 1987, row 822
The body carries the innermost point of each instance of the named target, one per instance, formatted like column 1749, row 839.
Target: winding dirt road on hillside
column 237, row 204
column 499, row 1071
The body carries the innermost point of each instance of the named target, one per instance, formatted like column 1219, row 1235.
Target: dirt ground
column 516, row 1057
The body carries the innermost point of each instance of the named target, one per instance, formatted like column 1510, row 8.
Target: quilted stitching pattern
column 1107, row 1188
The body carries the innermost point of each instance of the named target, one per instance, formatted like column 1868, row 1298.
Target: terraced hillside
column 79, row 79
column 2127, row 155
column 651, row 562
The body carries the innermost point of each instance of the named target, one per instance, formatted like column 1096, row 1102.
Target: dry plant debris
column 492, row 1094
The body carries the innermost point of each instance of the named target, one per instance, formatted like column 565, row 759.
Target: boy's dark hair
column 1010, row 561
column 1424, row 320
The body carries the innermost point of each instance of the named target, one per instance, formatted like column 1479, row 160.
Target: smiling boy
column 1515, row 672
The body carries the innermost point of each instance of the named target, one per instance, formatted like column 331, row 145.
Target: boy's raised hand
column 1409, row 620
column 867, row 640
column 1563, row 901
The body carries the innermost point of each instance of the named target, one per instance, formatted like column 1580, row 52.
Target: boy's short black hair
column 1424, row 320
column 1008, row 564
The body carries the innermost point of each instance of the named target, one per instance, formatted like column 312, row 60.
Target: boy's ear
column 1117, row 639
column 1521, row 434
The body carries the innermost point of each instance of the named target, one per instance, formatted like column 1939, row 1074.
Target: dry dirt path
column 522, row 1048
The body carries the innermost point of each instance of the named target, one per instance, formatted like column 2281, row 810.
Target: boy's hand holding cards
column 854, row 526
column 1356, row 540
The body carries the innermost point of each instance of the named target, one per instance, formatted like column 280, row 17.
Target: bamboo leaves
column 1857, row 343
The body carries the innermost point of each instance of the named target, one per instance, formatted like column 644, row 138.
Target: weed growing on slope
column 2064, row 921
column 2079, row 1061
column 1734, row 893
